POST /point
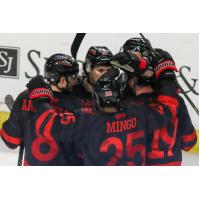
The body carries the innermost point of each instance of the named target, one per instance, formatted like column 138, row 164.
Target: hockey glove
column 163, row 65
column 131, row 61
column 39, row 90
column 165, row 78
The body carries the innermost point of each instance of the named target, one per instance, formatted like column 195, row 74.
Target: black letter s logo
column 33, row 63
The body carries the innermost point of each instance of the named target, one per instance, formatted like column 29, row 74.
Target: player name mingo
column 120, row 126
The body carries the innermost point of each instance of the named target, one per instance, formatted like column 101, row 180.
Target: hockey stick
column 10, row 102
column 76, row 44
column 178, row 85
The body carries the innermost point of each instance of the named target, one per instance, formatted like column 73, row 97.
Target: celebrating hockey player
column 97, row 62
column 113, row 135
column 61, row 72
column 165, row 145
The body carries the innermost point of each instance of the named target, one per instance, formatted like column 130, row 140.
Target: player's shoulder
column 87, row 111
column 181, row 101
column 22, row 95
column 77, row 89
column 133, row 109
column 72, row 97
column 80, row 92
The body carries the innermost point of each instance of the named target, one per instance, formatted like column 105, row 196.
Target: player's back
column 163, row 146
column 166, row 144
column 113, row 138
column 186, row 134
column 20, row 128
column 103, row 138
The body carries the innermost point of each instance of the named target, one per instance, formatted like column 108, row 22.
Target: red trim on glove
column 143, row 64
column 10, row 139
column 41, row 92
column 168, row 64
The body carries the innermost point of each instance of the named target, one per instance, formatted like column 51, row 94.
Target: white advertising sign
column 22, row 56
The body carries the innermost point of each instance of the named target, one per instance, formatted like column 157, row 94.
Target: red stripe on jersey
column 177, row 163
column 47, row 130
column 189, row 137
column 155, row 154
column 187, row 148
column 168, row 99
column 10, row 139
column 41, row 119
column 171, row 102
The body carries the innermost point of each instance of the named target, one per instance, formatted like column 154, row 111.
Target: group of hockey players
column 125, row 109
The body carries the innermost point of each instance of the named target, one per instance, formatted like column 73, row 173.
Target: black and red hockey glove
column 131, row 61
column 163, row 65
column 39, row 90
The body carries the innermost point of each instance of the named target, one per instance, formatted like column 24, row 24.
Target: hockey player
column 180, row 133
column 111, row 135
column 97, row 62
column 61, row 72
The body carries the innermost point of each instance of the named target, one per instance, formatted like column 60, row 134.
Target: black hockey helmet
column 135, row 44
column 97, row 56
column 60, row 65
column 139, row 45
column 109, row 88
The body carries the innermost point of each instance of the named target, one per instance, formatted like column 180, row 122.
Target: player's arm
column 164, row 80
column 165, row 85
column 162, row 77
column 12, row 129
column 49, row 122
column 185, row 127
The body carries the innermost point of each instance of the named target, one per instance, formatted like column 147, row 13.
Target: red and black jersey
column 185, row 130
column 164, row 146
column 177, row 135
column 107, row 138
column 20, row 128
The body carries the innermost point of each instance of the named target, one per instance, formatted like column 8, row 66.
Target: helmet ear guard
column 52, row 77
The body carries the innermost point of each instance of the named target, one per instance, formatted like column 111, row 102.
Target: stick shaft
column 10, row 102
